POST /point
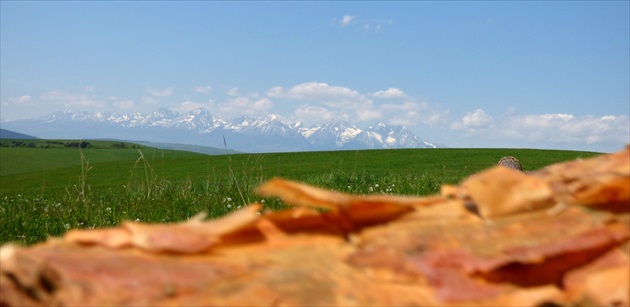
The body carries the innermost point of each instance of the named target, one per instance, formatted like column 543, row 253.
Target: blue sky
column 465, row 74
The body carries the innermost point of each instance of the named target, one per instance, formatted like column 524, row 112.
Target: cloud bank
column 555, row 130
column 321, row 101
column 166, row 92
column 71, row 100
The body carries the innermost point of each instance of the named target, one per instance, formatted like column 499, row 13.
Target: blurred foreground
column 558, row 236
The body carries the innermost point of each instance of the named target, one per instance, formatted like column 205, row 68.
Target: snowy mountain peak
column 269, row 119
column 200, row 127
column 164, row 113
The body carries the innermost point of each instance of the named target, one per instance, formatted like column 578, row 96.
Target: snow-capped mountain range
column 200, row 127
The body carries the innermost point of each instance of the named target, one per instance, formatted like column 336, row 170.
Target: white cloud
column 203, row 89
column 379, row 25
column 240, row 105
column 346, row 20
column 391, row 92
column 167, row 92
column 188, row 106
column 234, row 92
column 331, row 102
column 262, row 104
column 545, row 120
column 477, row 119
column 21, row 100
column 276, row 92
column 244, row 105
column 555, row 130
column 411, row 113
column 314, row 91
column 310, row 114
column 68, row 100
column 336, row 103
column 376, row 25
column 569, row 128
column 367, row 114
column 124, row 104
column 149, row 100
column 336, row 97
column 90, row 88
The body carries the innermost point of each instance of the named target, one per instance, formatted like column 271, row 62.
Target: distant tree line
column 119, row 145
column 44, row 144
column 78, row 144
column 17, row 143
column 63, row 144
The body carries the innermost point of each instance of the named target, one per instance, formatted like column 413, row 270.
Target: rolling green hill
column 69, row 184
column 193, row 148
column 28, row 169
column 42, row 156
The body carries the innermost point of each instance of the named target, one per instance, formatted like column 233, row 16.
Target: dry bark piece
column 502, row 191
column 604, row 281
column 97, row 276
column 348, row 212
column 110, row 237
column 602, row 181
column 298, row 194
column 477, row 261
column 192, row 236
column 303, row 219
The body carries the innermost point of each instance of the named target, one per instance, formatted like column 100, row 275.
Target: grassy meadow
column 48, row 188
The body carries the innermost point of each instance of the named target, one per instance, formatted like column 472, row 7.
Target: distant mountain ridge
column 7, row 134
column 200, row 127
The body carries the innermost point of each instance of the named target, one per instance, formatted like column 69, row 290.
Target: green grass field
column 46, row 191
